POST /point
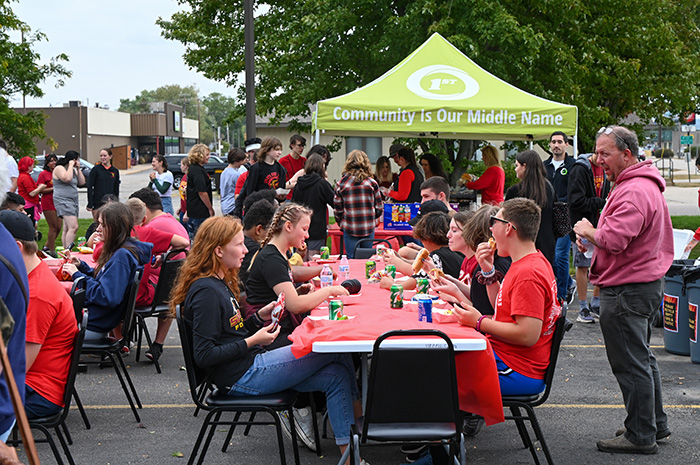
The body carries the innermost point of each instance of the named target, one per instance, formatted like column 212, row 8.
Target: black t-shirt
column 252, row 246
column 197, row 181
column 269, row 269
column 270, row 176
column 447, row 260
column 479, row 295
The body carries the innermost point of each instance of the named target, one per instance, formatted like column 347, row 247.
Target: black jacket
column 583, row 201
column 316, row 193
column 102, row 181
column 560, row 178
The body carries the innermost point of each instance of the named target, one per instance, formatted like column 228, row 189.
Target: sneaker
column 414, row 452
column 660, row 435
column 472, row 425
column 571, row 293
column 154, row 353
column 49, row 252
column 125, row 351
column 304, row 425
column 622, row 445
column 595, row 312
column 284, row 420
column 584, row 316
column 106, row 362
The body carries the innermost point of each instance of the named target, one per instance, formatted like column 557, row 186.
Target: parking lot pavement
column 585, row 405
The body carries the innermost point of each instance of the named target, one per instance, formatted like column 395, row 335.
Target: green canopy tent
column 437, row 91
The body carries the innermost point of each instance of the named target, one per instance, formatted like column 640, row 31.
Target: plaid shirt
column 357, row 205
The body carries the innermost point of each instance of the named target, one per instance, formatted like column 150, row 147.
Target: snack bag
column 277, row 313
column 60, row 274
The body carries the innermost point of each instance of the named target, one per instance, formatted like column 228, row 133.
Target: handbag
column 561, row 221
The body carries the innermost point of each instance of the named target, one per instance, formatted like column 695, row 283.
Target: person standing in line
column 492, row 183
column 557, row 167
column 161, row 180
column 267, row 173
column 251, row 148
column 67, row 176
column 294, row 162
column 103, row 180
column 357, row 201
column 199, row 204
column 229, row 177
column 47, row 206
column 182, row 190
column 588, row 189
column 633, row 250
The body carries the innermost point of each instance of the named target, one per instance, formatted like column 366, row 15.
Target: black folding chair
column 527, row 403
column 77, row 294
column 159, row 308
column 111, row 347
column 412, row 396
column 217, row 403
column 58, row 420
column 363, row 253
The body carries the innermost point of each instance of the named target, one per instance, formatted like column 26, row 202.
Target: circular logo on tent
column 442, row 82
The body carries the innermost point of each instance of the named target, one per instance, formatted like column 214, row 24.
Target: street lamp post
column 249, row 36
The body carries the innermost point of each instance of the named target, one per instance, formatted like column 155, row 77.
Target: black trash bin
column 675, row 309
column 691, row 278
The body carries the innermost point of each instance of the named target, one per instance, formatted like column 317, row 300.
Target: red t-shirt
column 529, row 289
column 51, row 323
column 241, row 182
column 292, row 165
column 25, row 184
column 466, row 271
column 161, row 243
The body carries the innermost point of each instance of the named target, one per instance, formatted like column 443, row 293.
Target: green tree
column 187, row 97
column 21, row 74
column 642, row 56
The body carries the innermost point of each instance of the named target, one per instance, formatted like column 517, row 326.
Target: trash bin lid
column 678, row 266
column 691, row 275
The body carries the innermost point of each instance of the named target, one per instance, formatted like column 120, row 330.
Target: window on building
column 372, row 146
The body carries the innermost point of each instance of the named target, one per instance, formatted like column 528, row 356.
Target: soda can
column 396, row 296
column 370, row 267
column 325, row 253
column 391, row 270
column 422, row 286
column 381, row 248
column 82, row 241
column 60, row 248
column 425, row 309
column 335, row 309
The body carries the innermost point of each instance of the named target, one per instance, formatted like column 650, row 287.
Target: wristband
column 478, row 323
column 257, row 317
column 488, row 274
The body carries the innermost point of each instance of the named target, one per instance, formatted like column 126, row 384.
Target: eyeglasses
column 610, row 130
column 495, row 218
column 301, row 145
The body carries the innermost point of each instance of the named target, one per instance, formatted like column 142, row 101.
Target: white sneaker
column 304, row 425
column 284, row 420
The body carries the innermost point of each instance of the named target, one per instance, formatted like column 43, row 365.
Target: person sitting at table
column 107, row 284
column 479, row 293
column 256, row 221
column 492, row 182
column 432, row 230
column 270, row 274
column 526, row 305
column 237, row 350
column 313, row 191
column 357, row 201
column 50, row 328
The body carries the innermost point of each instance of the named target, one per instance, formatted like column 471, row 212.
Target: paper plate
column 325, row 317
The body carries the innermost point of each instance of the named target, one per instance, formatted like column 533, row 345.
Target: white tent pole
column 318, row 137
column 531, row 145
column 575, row 146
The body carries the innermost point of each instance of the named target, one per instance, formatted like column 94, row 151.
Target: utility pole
column 249, row 35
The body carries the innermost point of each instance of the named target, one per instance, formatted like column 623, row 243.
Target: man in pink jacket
column 633, row 251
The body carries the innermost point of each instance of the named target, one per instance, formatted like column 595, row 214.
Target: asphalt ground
column 585, row 405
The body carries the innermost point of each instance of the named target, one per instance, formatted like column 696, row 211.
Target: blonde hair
column 358, row 165
column 289, row 211
column 138, row 210
column 266, row 146
column 198, row 154
column 202, row 260
column 490, row 156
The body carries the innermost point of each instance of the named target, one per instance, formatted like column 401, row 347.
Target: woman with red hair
column 28, row 189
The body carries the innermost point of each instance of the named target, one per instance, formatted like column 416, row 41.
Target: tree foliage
column 186, row 97
column 21, row 73
column 640, row 56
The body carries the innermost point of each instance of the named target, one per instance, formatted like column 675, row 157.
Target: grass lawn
column 44, row 228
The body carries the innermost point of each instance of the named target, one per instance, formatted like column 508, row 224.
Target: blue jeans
column 334, row 374
column 350, row 241
column 561, row 266
column 626, row 313
column 167, row 205
column 193, row 225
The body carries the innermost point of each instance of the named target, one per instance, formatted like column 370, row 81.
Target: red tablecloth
column 86, row 257
column 479, row 391
column 379, row 233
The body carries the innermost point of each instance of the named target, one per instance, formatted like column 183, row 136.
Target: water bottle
column 589, row 247
column 326, row 276
column 344, row 268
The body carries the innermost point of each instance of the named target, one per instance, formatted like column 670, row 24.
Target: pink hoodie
column 635, row 235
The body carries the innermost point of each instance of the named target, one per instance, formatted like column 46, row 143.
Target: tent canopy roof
column 437, row 91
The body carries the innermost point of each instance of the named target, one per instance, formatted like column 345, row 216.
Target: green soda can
column 422, row 286
column 370, row 267
column 391, row 270
column 335, row 309
column 396, row 296
column 81, row 241
column 325, row 253
column 60, row 248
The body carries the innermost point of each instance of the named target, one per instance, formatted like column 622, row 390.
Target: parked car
column 39, row 167
column 214, row 168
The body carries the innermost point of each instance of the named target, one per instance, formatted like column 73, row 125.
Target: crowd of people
column 503, row 267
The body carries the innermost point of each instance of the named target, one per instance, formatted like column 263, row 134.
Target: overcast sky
column 115, row 50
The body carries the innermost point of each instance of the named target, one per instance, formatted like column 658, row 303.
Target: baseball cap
column 394, row 149
column 429, row 207
column 18, row 224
